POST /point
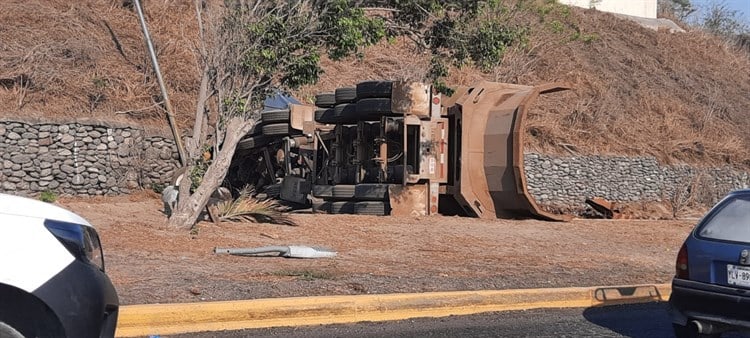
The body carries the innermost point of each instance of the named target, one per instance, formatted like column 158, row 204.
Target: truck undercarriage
column 396, row 148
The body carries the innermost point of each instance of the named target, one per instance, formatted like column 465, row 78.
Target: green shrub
column 589, row 38
column 489, row 41
column 556, row 26
column 158, row 187
column 48, row 196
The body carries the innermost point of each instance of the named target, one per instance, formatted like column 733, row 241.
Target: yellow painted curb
column 141, row 320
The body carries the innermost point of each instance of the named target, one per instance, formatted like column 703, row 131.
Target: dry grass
column 396, row 60
column 88, row 58
column 680, row 97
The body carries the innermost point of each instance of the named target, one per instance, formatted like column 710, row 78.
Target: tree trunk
column 199, row 130
column 188, row 209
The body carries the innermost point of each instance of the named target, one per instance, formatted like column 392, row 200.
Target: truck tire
column 255, row 130
column 342, row 207
column 276, row 115
column 345, row 95
column 325, row 100
column 371, row 192
column 320, row 114
column 369, row 89
column 374, row 107
column 277, row 129
column 371, row 208
column 252, row 142
column 343, row 191
column 321, row 207
column 322, row 190
column 344, row 109
column 345, row 113
column 326, row 115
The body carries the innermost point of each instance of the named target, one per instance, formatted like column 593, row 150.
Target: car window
column 731, row 222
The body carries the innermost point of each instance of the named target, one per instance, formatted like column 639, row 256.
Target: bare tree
column 680, row 9
column 720, row 19
column 248, row 48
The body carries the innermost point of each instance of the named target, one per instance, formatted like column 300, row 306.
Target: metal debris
column 292, row 251
column 606, row 208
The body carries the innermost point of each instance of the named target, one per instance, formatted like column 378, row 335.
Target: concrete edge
column 156, row 319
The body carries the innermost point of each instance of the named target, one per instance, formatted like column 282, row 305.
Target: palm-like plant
column 246, row 208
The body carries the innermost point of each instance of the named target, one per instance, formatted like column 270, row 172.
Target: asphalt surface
column 644, row 320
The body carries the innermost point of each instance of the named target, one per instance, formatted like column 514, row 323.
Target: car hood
column 22, row 206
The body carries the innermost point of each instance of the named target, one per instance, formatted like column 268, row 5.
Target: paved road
column 637, row 321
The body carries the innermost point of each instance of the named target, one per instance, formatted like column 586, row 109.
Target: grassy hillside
column 682, row 97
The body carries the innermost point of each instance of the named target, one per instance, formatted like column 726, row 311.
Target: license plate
column 738, row 275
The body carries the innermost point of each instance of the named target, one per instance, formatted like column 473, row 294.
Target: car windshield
column 731, row 222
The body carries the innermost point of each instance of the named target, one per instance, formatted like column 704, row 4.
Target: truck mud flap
column 490, row 181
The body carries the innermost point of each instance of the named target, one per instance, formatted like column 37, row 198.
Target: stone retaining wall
column 569, row 181
column 90, row 157
column 81, row 157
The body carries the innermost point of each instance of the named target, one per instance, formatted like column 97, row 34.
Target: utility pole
column 167, row 103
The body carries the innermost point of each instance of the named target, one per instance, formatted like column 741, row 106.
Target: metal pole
column 168, row 104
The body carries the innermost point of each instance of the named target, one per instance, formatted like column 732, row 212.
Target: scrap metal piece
column 292, row 251
column 606, row 208
column 601, row 206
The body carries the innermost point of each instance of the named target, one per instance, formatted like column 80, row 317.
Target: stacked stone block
column 569, row 181
column 81, row 158
column 91, row 157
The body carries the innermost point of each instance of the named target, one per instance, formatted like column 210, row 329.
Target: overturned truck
column 396, row 148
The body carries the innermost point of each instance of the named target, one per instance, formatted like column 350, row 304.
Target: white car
column 52, row 280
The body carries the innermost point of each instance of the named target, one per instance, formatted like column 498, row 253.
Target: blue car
column 711, row 287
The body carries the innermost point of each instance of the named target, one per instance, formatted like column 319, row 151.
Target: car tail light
column 681, row 267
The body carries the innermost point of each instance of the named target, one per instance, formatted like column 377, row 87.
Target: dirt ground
column 151, row 263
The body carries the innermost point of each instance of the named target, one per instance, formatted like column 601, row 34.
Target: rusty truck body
column 397, row 148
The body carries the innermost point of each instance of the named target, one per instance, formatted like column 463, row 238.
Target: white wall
column 642, row 8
